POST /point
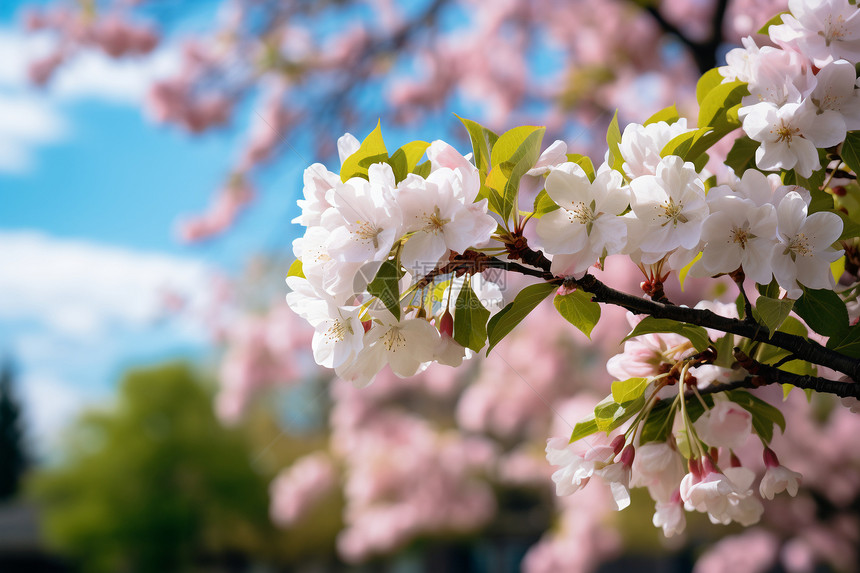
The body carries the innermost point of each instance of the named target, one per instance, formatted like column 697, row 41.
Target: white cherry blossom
column 364, row 220
column 780, row 131
column 824, row 30
column 338, row 333
column 803, row 252
column 587, row 225
column 407, row 346
column 835, row 103
column 439, row 219
column 777, row 478
column 737, row 233
column 671, row 204
column 641, row 145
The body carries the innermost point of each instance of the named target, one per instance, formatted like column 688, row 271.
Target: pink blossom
column 298, row 488
column 726, row 425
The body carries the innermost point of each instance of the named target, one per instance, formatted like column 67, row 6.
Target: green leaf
column 764, row 416
column 772, row 312
column 681, row 145
column 584, row 428
column 296, row 269
column 850, row 228
column 847, row 342
column 768, row 354
column 709, row 80
column 648, row 325
column 583, row 161
column 613, row 140
column 775, row 21
column 851, row 151
column 422, row 169
column 405, row 159
column 627, row 390
column 658, row 425
column 609, row 414
column 372, row 150
column 524, row 159
column 386, row 286
column 823, row 311
column 509, row 317
column 668, row 114
column 579, row 310
column 742, row 155
column 507, row 148
column 682, row 274
column 716, row 109
column 515, row 152
column 483, row 141
column 543, row 204
column 470, row 319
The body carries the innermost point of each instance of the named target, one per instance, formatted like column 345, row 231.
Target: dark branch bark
column 800, row 347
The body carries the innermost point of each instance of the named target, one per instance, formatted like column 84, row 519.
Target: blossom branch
column 800, row 347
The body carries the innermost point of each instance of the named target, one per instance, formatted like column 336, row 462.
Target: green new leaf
column 613, row 140
column 483, row 141
column 296, row 269
column 405, row 159
column 716, row 110
column 609, row 414
column 851, row 151
column 668, row 114
column 579, row 310
column 584, row 428
column 627, row 390
column 583, row 161
column 775, row 21
column 695, row 334
column 470, row 320
column 515, row 152
column 823, row 311
column 772, row 312
column 682, row 145
column 658, row 425
column 372, row 150
column 543, row 204
column 742, row 155
column 764, row 416
column 709, row 80
column 847, row 342
column 850, row 227
column 509, row 317
column 386, row 286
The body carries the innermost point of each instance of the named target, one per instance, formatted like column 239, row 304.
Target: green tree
column 155, row 483
column 13, row 456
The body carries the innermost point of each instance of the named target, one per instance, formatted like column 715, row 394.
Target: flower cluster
column 663, row 218
column 361, row 228
column 654, row 450
column 802, row 94
column 391, row 267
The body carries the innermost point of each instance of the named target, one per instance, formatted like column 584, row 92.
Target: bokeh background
column 159, row 407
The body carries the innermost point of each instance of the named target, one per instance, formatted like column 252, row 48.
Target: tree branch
column 801, row 348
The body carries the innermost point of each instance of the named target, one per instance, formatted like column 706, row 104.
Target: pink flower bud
column 770, row 459
column 617, row 444
column 446, row 324
column 627, row 455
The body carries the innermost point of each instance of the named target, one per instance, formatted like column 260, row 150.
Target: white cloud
column 31, row 117
column 83, row 289
column 26, row 123
column 88, row 74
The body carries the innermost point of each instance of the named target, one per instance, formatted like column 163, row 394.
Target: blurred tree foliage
column 156, row 483
column 13, row 455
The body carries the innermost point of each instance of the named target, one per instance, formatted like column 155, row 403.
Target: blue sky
column 90, row 192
